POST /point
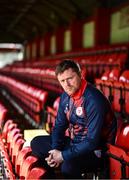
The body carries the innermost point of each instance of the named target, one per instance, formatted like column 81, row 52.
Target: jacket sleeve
column 60, row 127
column 95, row 117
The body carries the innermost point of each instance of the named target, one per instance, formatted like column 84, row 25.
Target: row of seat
column 115, row 86
column 30, row 98
column 42, row 75
column 17, row 162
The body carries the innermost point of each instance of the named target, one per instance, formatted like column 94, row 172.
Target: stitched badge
column 79, row 111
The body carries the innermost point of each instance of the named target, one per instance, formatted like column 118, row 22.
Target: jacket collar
column 81, row 90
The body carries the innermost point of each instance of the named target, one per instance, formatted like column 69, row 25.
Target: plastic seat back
column 51, row 115
column 11, row 135
column 114, row 74
column 122, row 140
column 119, row 96
column 27, row 165
column 14, row 139
column 124, row 76
column 37, row 173
column 22, row 155
column 5, row 128
column 126, row 98
column 105, row 75
column 115, row 158
column 17, row 147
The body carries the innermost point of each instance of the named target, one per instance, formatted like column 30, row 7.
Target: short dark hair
column 66, row 64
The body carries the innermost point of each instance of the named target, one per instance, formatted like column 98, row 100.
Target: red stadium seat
column 51, row 115
column 22, row 155
column 14, row 139
column 114, row 74
column 17, row 147
column 11, row 135
column 118, row 96
column 124, row 76
column 126, row 160
column 119, row 92
column 126, row 89
column 27, row 165
column 118, row 154
column 115, row 158
column 108, row 90
column 37, row 173
column 105, row 75
column 5, row 128
column 108, row 84
column 122, row 140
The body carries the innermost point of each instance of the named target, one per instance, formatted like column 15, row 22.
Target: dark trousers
column 71, row 168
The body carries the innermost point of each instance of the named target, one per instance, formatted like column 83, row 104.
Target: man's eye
column 70, row 78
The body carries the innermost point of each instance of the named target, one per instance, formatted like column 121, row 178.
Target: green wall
column 88, row 34
column 119, row 33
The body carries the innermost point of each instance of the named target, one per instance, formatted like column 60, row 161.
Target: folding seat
column 51, row 115
column 124, row 77
column 126, row 160
column 11, row 135
column 5, row 129
column 118, row 152
column 118, row 97
column 13, row 141
column 108, row 90
column 17, row 147
column 105, row 75
column 114, row 74
column 11, row 127
column 119, row 92
column 100, row 82
column 108, row 84
column 126, row 89
column 37, row 173
column 22, row 155
column 27, row 165
column 115, row 162
column 122, row 140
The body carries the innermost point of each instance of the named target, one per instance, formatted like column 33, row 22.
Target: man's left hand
column 57, row 156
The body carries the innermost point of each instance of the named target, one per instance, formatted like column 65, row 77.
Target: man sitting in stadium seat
column 91, row 122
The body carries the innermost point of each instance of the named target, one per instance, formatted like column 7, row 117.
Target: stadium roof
column 21, row 20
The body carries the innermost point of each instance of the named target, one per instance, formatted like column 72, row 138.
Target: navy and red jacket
column 90, row 119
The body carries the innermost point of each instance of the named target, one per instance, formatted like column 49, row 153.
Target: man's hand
column 57, row 155
column 55, row 158
column 50, row 161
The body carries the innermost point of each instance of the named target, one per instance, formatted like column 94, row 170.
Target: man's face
column 70, row 81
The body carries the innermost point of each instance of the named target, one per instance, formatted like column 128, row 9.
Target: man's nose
column 67, row 82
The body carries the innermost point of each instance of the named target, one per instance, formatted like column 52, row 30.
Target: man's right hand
column 50, row 161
